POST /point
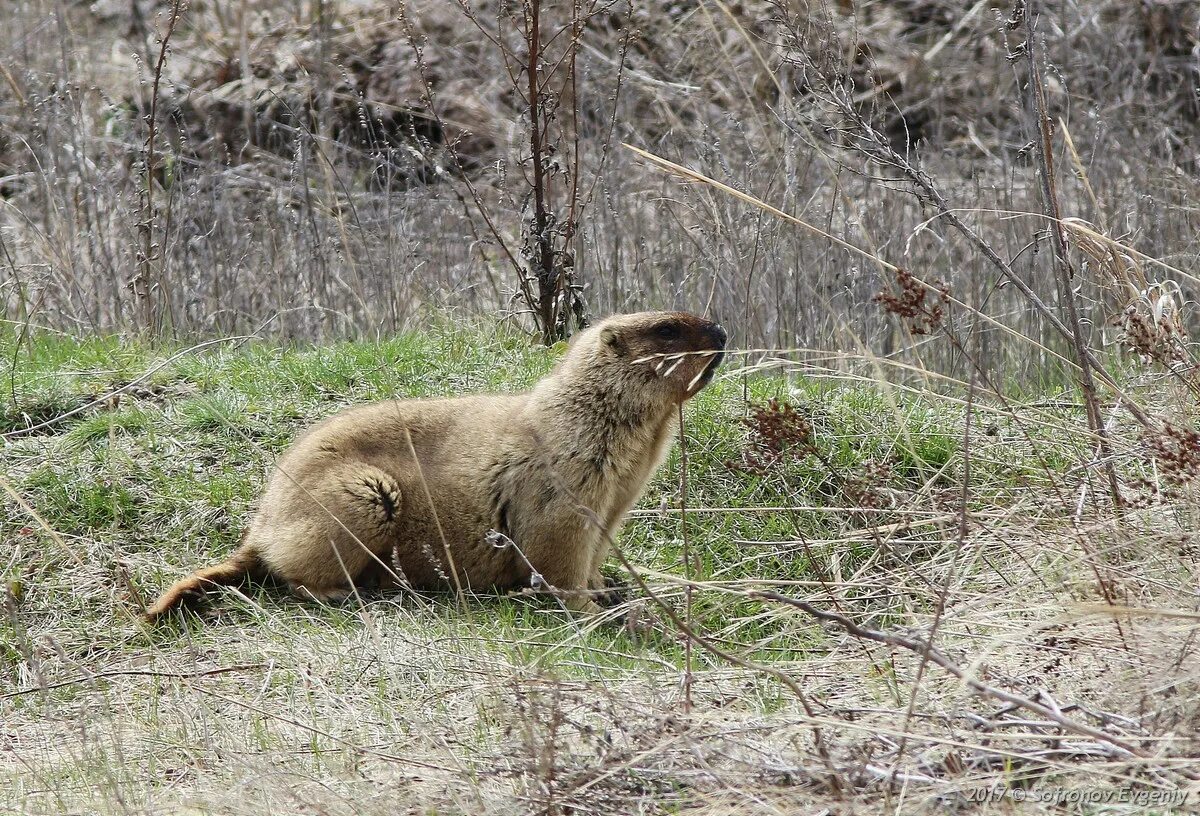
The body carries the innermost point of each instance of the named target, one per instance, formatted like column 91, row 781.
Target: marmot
column 478, row 492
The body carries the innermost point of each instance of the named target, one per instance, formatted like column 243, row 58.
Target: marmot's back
column 432, row 426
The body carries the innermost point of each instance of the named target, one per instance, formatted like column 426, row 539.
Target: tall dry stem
column 149, row 283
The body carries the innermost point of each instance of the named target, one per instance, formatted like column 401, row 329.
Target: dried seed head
column 1152, row 326
column 923, row 308
column 866, row 488
column 777, row 430
column 1177, row 452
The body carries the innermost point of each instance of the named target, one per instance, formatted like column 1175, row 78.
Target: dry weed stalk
column 149, row 283
column 964, row 527
column 1064, row 274
column 686, row 553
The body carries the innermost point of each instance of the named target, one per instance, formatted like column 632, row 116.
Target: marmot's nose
column 717, row 332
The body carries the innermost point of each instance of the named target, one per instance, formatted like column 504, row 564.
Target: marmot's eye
column 667, row 331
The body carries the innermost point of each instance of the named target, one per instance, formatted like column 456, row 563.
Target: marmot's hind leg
column 327, row 595
column 348, row 536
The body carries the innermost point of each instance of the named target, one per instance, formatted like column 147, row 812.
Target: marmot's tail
column 242, row 564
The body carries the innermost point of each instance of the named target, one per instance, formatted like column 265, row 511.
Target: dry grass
column 1039, row 595
column 298, row 188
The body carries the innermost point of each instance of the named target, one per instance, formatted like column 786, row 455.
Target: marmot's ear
column 610, row 337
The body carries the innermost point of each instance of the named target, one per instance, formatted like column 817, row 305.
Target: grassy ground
column 508, row 705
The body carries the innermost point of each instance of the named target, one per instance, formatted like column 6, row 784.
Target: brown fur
column 398, row 491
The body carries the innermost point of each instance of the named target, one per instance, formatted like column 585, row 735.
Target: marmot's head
column 670, row 354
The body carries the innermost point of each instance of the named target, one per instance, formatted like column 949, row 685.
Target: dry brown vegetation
column 936, row 529
column 304, row 169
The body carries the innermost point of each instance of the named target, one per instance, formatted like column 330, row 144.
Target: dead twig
column 1062, row 265
column 105, row 675
column 933, row 655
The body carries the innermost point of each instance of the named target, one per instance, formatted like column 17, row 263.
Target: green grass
column 168, row 474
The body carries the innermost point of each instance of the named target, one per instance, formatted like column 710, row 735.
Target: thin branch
column 105, row 675
column 934, row 655
column 1062, row 265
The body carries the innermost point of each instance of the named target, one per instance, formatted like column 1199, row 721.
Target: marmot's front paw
column 580, row 602
column 613, row 593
